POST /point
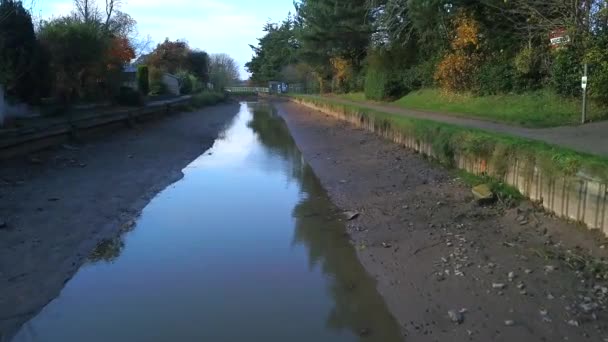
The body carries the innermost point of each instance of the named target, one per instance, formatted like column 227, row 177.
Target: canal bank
column 248, row 244
column 56, row 205
column 515, row 274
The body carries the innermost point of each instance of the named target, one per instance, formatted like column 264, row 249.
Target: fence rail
column 247, row 89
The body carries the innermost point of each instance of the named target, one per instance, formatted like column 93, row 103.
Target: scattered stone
column 550, row 268
column 483, row 193
column 456, row 316
column 449, row 244
column 351, row 215
column 509, row 323
column 35, row 160
column 528, row 271
column 498, row 286
column 511, row 276
column 521, row 286
column 588, row 307
column 573, row 323
column 406, row 206
column 343, row 181
column 523, row 292
column 386, row 245
column 545, row 316
column 364, row 332
column 550, row 296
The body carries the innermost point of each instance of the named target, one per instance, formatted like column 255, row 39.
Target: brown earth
column 435, row 252
column 57, row 205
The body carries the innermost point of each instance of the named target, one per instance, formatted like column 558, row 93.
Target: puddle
column 246, row 247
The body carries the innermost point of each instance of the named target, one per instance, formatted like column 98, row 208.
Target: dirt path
column 589, row 138
column 506, row 274
column 57, row 205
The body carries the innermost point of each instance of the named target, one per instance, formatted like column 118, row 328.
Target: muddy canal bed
column 247, row 246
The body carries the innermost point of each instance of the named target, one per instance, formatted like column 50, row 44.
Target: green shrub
column 185, row 85
column 425, row 72
column 411, row 80
column 158, row 88
column 143, row 81
column 380, row 84
column 566, row 72
column 375, row 84
column 207, row 98
column 598, row 82
column 129, row 97
column 494, row 77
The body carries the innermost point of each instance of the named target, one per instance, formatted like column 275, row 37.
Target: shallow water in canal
column 246, row 247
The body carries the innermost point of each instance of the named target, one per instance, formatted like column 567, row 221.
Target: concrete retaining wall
column 580, row 198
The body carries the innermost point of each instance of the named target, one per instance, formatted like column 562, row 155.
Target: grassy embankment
column 207, row 98
column 500, row 151
column 535, row 109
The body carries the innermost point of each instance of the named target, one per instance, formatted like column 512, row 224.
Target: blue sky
column 211, row 25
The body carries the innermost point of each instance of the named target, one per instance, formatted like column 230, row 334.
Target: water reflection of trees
column 109, row 250
column 358, row 306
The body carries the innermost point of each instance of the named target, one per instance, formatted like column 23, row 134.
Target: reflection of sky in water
column 241, row 149
column 233, row 148
column 243, row 248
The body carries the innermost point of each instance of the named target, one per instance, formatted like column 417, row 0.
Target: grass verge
column 537, row 109
column 207, row 98
column 500, row 151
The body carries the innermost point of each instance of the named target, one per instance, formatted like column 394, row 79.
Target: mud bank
column 448, row 268
column 57, row 205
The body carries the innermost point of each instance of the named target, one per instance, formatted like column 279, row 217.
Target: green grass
column 207, row 98
column 499, row 149
column 535, row 109
column 353, row 96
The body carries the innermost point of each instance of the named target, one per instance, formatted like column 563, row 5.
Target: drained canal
column 246, row 247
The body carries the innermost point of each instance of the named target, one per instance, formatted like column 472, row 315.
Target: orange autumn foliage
column 120, row 52
column 456, row 70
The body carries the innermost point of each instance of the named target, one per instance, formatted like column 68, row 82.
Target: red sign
column 559, row 37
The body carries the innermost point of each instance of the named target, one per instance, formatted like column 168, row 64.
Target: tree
column 119, row 53
column 78, row 51
column 223, row 70
column 87, row 10
column 143, row 81
column 275, row 51
column 20, row 54
column 170, row 56
column 198, row 62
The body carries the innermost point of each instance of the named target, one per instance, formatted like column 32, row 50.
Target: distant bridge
column 247, row 90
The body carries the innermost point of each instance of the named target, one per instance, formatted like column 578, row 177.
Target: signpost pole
column 584, row 86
